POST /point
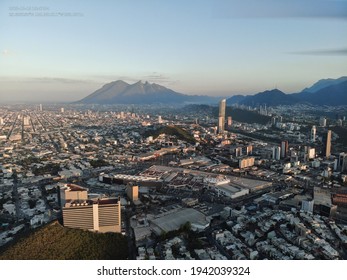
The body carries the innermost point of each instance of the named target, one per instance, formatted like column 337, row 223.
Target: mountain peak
column 119, row 92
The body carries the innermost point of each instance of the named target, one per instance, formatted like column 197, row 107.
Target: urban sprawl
column 246, row 190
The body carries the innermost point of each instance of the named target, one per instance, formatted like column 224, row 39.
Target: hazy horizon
column 55, row 51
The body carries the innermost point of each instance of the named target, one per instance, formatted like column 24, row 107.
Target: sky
column 58, row 51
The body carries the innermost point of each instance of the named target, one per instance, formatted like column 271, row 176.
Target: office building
column 311, row 152
column 246, row 162
column 62, row 110
column 327, row 144
column 249, row 150
column 102, row 215
column 221, row 116
column 238, row 151
column 323, row 121
column 230, row 121
column 284, row 149
column 72, row 192
column 276, row 153
column 307, row 206
column 313, row 134
column 342, row 162
column 40, row 107
column 133, row 192
column 80, row 211
column 26, row 121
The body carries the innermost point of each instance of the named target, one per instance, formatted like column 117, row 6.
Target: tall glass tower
column 221, row 116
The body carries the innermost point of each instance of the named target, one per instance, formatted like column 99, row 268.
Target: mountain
column 333, row 95
column 120, row 92
column 235, row 99
column 331, row 92
column 270, row 97
column 325, row 83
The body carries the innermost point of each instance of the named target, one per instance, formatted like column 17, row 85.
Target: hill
column 171, row 130
column 237, row 114
column 120, row 92
column 324, row 83
column 270, row 97
column 245, row 116
column 55, row 242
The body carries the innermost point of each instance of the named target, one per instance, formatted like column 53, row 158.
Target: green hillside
column 246, row 116
column 55, row 242
column 171, row 130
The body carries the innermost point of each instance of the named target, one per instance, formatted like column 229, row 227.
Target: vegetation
column 342, row 133
column 172, row 130
column 98, row 163
column 55, row 242
column 50, row 168
column 246, row 116
column 184, row 228
column 29, row 160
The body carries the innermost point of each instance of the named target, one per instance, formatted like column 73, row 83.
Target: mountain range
column 331, row 92
column 120, row 92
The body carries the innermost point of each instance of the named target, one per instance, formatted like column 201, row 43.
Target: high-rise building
column 72, row 192
column 276, row 153
column 133, row 192
column 1, row 121
column 160, row 119
column 307, row 206
column 284, row 149
column 342, row 162
column 249, row 150
column 238, row 151
column 221, row 116
column 62, row 110
column 311, row 153
column 102, row 215
column 246, row 162
column 313, row 134
column 40, row 107
column 323, row 121
column 79, row 211
column 26, row 121
column 230, row 121
column 327, row 144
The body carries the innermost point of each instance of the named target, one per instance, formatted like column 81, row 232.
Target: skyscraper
column 323, row 121
column 342, row 162
column 313, row 134
column 284, row 149
column 221, row 116
column 276, row 153
column 327, row 144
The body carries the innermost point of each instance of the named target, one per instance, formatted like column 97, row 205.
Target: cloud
column 156, row 77
column 324, row 52
column 280, row 9
column 7, row 52
column 44, row 80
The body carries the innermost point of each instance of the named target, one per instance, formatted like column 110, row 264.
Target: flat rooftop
column 75, row 188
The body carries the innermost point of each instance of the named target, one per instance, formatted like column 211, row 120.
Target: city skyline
column 64, row 51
